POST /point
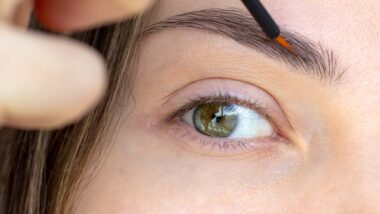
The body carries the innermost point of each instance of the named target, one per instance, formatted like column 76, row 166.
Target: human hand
column 45, row 81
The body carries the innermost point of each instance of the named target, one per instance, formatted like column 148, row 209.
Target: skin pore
column 326, row 159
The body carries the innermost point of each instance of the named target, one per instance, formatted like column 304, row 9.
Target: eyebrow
column 313, row 59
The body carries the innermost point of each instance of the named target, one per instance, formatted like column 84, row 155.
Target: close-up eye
column 227, row 120
column 219, row 116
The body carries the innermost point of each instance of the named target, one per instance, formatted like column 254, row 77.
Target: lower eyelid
column 196, row 142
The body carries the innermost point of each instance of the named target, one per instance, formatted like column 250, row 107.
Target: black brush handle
column 263, row 18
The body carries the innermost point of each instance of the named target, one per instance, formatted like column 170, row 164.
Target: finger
column 22, row 13
column 79, row 14
column 46, row 82
column 15, row 12
column 7, row 8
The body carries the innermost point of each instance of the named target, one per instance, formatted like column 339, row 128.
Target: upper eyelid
column 175, row 92
column 220, row 98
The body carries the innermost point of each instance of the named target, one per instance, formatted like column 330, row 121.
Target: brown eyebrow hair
column 313, row 59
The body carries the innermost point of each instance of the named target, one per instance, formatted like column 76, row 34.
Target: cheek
column 144, row 172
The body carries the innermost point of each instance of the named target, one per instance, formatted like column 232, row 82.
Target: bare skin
column 331, row 161
column 29, row 72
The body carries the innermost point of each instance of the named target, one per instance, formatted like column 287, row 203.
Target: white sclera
column 250, row 123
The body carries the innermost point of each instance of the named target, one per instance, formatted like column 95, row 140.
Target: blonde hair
column 39, row 170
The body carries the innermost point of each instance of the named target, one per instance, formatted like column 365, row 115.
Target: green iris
column 216, row 119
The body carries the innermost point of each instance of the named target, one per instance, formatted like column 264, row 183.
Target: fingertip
column 55, row 16
column 73, row 15
column 48, row 81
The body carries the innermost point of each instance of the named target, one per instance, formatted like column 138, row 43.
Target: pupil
column 218, row 119
column 215, row 119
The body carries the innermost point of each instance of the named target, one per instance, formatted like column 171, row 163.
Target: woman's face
column 224, row 123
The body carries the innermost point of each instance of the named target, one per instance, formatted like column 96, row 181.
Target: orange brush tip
column 282, row 41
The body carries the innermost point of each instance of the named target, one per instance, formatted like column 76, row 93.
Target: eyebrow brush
column 267, row 24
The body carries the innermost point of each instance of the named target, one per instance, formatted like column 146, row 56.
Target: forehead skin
column 350, row 27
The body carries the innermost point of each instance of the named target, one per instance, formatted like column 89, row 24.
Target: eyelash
column 223, row 98
column 223, row 144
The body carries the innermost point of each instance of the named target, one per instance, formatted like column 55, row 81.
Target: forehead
column 349, row 27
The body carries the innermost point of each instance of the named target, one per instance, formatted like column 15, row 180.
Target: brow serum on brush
column 267, row 24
